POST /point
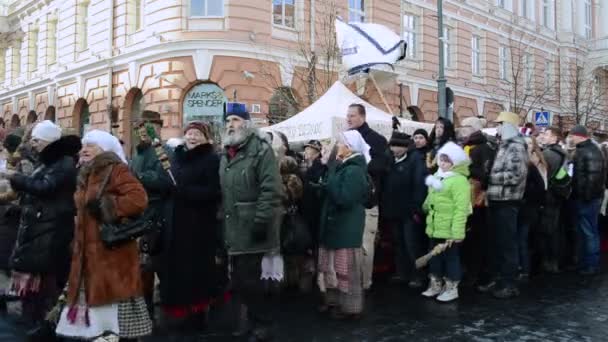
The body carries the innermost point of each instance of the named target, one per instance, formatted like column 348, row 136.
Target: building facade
column 100, row 63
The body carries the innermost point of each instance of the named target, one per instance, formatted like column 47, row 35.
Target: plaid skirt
column 341, row 278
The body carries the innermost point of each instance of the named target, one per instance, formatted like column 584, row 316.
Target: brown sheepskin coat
column 108, row 275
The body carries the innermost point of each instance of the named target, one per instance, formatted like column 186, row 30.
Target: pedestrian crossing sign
column 541, row 119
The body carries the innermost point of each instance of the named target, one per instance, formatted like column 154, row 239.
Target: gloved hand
column 259, row 232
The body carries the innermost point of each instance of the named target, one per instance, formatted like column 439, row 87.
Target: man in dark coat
column 548, row 239
column 421, row 141
column 403, row 192
column 377, row 169
column 313, row 175
column 147, row 167
column 47, row 215
column 587, row 190
column 251, row 194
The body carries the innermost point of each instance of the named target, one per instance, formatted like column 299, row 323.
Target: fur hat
column 456, row 154
column 400, row 139
column 47, row 131
column 474, row 122
column 106, row 141
column 203, row 127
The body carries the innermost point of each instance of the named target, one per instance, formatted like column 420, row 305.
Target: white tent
column 325, row 118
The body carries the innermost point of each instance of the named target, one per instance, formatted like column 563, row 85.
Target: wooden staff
column 160, row 151
column 371, row 76
column 424, row 260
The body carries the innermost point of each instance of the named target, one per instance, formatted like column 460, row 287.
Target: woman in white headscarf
column 104, row 291
column 341, row 232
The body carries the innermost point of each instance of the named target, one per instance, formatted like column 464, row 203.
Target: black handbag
column 296, row 238
column 114, row 234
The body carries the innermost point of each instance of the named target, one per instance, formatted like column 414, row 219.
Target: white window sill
column 503, row 13
column 413, row 64
column 284, row 33
column 206, row 24
column 479, row 79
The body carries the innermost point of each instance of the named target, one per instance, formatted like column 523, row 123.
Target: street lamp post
column 441, row 81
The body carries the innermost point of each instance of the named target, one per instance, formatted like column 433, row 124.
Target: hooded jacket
column 507, row 181
column 448, row 203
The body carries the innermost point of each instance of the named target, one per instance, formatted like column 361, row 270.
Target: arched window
column 15, row 121
column 50, row 113
column 31, row 117
column 283, row 105
column 81, row 116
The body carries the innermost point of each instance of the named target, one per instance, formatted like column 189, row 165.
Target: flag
column 364, row 46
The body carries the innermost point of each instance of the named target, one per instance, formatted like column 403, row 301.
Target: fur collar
column 436, row 181
column 96, row 166
column 66, row 146
column 182, row 153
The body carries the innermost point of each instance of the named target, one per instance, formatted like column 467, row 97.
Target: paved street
column 552, row 308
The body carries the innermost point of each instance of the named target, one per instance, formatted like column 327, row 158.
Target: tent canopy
column 326, row 118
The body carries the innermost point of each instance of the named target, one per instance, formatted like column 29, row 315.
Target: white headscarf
column 106, row 141
column 357, row 144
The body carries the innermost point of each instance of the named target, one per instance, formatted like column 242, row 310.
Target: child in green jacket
column 447, row 205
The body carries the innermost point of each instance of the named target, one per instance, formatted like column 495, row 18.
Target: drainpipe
column 110, row 69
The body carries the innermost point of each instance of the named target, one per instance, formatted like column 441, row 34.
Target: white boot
column 435, row 286
column 450, row 291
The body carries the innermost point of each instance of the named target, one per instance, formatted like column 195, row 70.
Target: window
column 588, row 19
column 595, row 91
column 476, row 55
column 283, row 13
column 548, row 75
column 356, row 11
column 32, row 48
column 206, row 8
column 16, row 60
column 83, row 26
column 410, row 34
column 447, row 47
column 501, row 3
column 51, row 42
column 524, row 10
column 135, row 15
column 548, row 13
column 502, row 63
column 2, row 65
column 528, row 71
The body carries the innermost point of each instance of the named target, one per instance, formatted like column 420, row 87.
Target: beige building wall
column 101, row 60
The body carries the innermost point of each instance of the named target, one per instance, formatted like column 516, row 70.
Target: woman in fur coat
column 104, row 291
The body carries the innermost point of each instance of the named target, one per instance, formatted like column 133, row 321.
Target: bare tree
column 313, row 62
column 517, row 85
column 582, row 96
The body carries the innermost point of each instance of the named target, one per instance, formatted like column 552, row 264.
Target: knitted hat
column 474, row 122
column 314, row 144
column 106, row 141
column 423, row 132
column 237, row 109
column 580, row 131
column 203, row 127
column 47, row 131
column 399, row 139
column 456, row 154
column 508, row 117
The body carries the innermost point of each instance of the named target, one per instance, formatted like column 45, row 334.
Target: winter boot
column 450, row 291
column 435, row 287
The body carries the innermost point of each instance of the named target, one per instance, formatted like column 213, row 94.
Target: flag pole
column 371, row 76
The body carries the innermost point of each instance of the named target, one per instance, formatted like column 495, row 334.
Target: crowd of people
column 242, row 219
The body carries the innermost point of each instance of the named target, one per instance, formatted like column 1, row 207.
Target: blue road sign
column 542, row 119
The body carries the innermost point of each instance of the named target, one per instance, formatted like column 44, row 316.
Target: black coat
column 311, row 200
column 534, row 195
column 188, row 273
column 555, row 156
column 482, row 156
column 47, row 210
column 379, row 152
column 589, row 172
column 404, row 189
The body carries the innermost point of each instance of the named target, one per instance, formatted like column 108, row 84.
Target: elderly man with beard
column 147, row 167
column 251, row 191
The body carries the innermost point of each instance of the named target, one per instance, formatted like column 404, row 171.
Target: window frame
column 476, row 69
column 139, row 14
column 547, row 13
column 3, row 68
column 549, row 70
column 412, row 32
column 83, row 26
column 206, row 10
column 360, row 12
column 447, row 47
column 52, row 44
column 528, row 71
column 588, row 19
column 32, row 50
column 503, row 61
column 282, row 24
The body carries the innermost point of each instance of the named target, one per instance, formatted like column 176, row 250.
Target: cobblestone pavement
column 552, row 308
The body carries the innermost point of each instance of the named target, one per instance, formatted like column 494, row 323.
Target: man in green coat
column 251, row 193
column 147, row 167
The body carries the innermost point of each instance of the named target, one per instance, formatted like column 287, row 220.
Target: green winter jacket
column 343, row 214
column 251, row 198
column 449, row 204
column 148, row 170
